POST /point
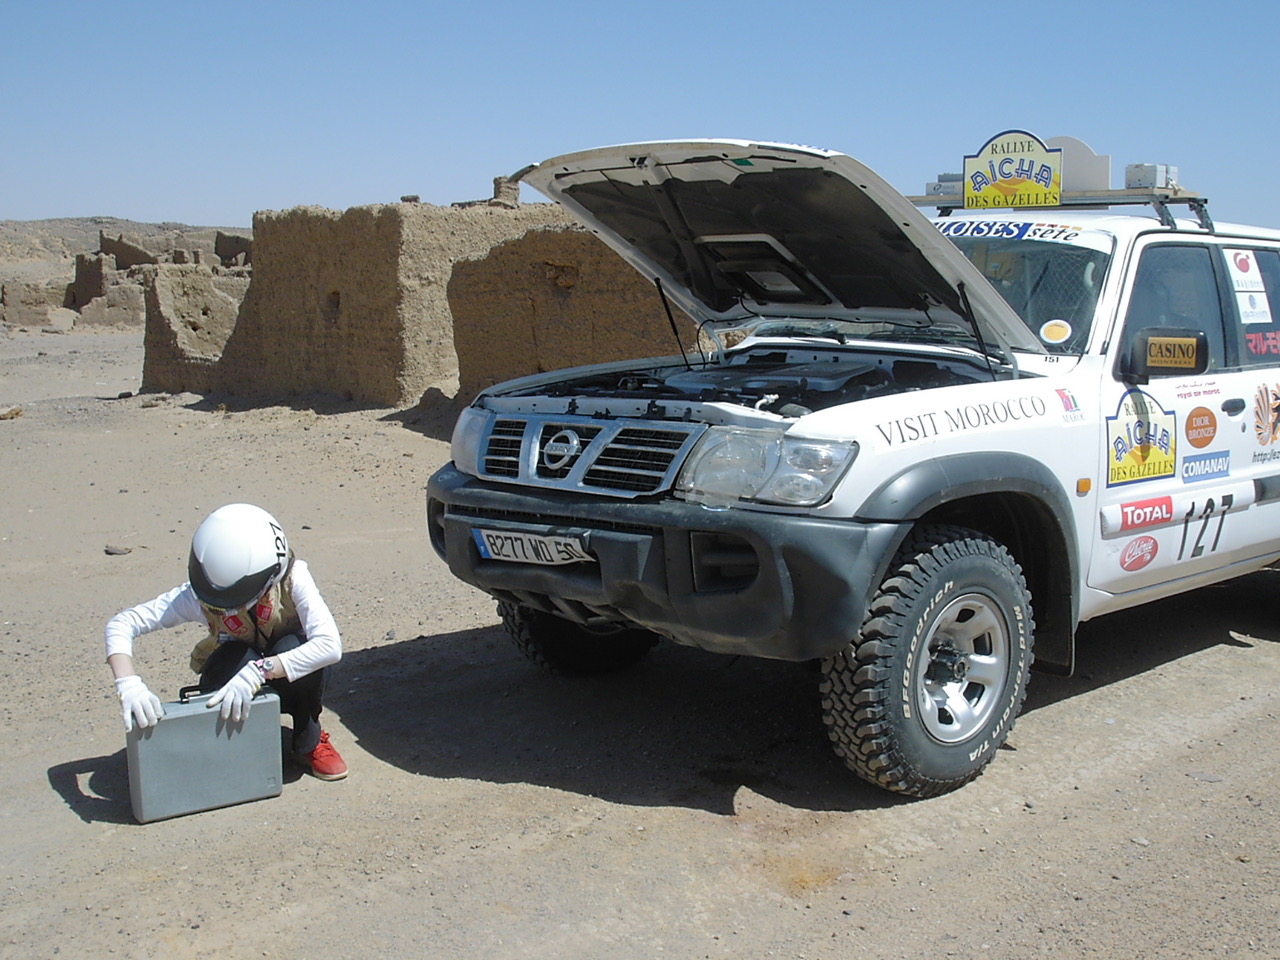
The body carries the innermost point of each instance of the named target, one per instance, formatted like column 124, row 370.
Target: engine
column 787, row 382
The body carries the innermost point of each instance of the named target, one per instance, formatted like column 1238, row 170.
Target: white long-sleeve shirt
column 181, row 605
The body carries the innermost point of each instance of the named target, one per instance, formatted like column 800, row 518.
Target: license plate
column 530, row 547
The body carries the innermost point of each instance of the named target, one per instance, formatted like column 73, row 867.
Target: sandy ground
column 688, row 808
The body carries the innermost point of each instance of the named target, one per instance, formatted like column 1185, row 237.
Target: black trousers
column 302, row 699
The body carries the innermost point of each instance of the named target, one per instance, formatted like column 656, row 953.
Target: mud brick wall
column 94, row 272
column 553, row 299
column 394, row 304
column 354, row 303
column 125, row 252
column 26, row 303
column 122, row 304
column 190, row 315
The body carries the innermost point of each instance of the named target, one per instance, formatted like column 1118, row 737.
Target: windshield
column 1050, row 274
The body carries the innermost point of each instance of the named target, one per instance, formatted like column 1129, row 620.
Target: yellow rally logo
column 1013, row 169
column 1177, row 352
column 1142, row 438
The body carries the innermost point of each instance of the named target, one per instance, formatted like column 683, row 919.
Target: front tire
column 929, row 690
column 562, row 646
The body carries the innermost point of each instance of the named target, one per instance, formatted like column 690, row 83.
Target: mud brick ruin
column 387, row 304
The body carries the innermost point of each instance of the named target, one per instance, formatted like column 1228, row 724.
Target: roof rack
column 1159, row 198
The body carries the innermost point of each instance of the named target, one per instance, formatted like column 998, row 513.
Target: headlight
column 468, row 433
column 736, row 463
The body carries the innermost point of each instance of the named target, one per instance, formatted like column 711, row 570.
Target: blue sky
column 203, row 113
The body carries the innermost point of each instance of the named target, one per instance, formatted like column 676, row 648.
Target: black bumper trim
column 806, row 601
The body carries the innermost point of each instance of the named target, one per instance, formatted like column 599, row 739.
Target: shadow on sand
column 689, row 728
column 683, row 727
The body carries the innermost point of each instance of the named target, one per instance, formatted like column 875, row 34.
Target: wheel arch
column 1018, row 501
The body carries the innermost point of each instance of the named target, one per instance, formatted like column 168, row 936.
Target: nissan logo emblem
column 559, row 451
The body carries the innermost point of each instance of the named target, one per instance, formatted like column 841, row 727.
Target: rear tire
column 922, row 699
column 564, row 647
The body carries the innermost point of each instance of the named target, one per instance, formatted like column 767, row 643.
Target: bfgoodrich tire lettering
column 561, row 646
column 930, row 688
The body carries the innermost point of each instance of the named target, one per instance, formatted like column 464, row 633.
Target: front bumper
column 735, row 581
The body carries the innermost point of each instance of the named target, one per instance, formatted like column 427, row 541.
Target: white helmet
column 237, row 554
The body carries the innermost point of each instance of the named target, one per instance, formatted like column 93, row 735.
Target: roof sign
column 1013, row 169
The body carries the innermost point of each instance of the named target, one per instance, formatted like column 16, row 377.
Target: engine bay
column 786, row 381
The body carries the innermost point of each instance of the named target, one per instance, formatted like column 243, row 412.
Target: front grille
column 622, row 458
column 502, row 458
column 567, row 455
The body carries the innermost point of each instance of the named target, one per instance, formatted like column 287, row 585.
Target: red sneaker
column 325, row 762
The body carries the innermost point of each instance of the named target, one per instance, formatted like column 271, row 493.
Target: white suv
column 906, row 449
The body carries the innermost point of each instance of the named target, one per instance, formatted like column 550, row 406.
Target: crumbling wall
column 126, row 252
column 233, row 249
column 355, row 303
column 26, row 303
column 93, row 274
column 437, row 239
column 123, row 303
column 105, row 296
column 190, row 314
column 391, row 303
column 552, row 299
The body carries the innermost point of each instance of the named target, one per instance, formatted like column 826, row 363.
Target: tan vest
column 276, row 616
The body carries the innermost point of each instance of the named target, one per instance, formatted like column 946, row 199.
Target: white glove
column 139, row 704
column 237, row 693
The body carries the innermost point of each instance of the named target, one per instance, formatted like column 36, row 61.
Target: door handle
column 1233, row 406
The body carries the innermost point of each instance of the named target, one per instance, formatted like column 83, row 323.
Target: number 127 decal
column 1198, row 518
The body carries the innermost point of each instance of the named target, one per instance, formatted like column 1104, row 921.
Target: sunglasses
column 223, row 611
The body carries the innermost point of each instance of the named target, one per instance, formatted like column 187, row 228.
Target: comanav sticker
column 1206, row 466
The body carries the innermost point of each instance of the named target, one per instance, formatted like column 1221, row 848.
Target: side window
column 1255, row 277
column 1176, row 288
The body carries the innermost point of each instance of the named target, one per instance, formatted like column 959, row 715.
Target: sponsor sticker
column 1055, row 331
column 1266, row 415
column 1146, row 513
column 1201, row 427
column 1250, row 288
column 1197, row 388
column 973, row 416
column 1262, row 342
column 1172, row 352
column 959, row 228
column 1141, row 440
column 1071, row 412
column 1013, row 169
column 1138, row 552
column 1245, row 274
column 1206, row 466
column 994, row 229
column 1254, row 308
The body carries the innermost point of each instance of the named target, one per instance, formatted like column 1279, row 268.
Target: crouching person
column 267, row 624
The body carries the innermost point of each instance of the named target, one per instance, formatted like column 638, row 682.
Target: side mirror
column 1165, row 352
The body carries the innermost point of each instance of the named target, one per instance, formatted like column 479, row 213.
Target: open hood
column 736, row 230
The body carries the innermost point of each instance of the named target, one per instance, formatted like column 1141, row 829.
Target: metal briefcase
column 193, row 760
